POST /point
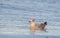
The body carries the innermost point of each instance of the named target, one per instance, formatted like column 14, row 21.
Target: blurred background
column 15, row 16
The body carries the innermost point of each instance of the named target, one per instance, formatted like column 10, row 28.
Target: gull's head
column 32, row 20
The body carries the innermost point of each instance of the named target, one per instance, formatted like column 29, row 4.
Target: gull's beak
column 29, row 21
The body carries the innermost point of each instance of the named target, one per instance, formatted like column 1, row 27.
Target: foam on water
column 51, row 31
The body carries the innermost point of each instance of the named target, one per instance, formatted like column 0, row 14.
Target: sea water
column 15, row 16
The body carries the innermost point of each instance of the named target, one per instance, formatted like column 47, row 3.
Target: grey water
column 24, row 36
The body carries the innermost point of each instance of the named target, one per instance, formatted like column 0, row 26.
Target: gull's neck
column 32, row 23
